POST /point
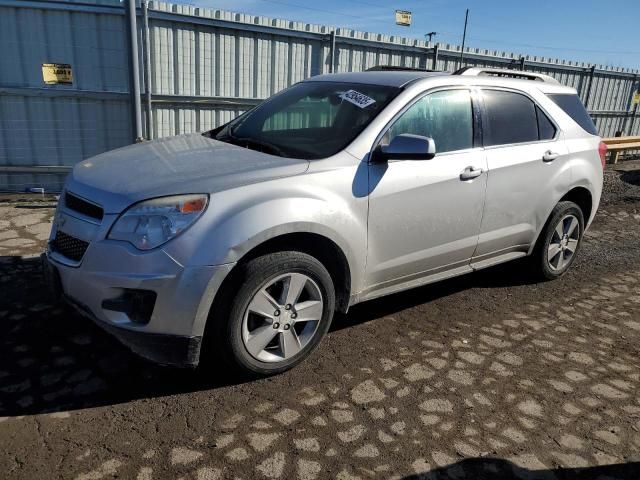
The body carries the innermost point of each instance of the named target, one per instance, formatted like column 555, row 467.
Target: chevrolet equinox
column 243, row 242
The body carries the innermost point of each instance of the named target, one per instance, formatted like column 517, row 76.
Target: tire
column 242, row 327
column 554, row 253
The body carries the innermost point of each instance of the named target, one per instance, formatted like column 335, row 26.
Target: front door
column 425, row 215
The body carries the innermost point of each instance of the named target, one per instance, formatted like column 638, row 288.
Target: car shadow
column 53, row 359
column 488, row 468
column 631, row 176
column 511, row 274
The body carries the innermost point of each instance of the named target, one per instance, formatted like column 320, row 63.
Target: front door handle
column 470, row 173
column 549, row 156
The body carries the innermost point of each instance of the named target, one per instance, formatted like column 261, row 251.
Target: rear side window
column 546, row 129
column 511, row 118
column 573, row 107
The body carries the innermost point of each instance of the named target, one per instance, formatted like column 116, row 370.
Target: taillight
column 602, row 151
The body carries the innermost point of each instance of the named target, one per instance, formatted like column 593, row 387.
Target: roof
column 397, row 78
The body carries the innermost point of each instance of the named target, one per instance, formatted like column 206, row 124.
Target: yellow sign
column 636, row 98
column 403, row 18
column 57, row 74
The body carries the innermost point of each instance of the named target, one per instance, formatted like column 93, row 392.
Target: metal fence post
column 332, row 51
column 635, row 107
column 135, row 72
column 435, row 57
column 147, row 68
column 592, row 72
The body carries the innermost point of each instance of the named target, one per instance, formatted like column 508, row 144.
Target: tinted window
column 573, row 107
column 511, row 118
column 444, row 116
column 309, row 120
column 546, row 129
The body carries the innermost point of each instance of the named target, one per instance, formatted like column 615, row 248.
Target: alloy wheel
column 564, row 242
column 282, row 317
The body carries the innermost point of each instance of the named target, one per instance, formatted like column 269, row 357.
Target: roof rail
column 503, row 72
column 394, row 68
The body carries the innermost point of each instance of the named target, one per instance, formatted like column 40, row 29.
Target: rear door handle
column 470, row 173
column 549, row 156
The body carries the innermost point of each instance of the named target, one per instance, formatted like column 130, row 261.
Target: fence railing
column 199, row 68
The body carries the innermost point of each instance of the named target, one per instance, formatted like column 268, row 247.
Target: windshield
column 309, row 120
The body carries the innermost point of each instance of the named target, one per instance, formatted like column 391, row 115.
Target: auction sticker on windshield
column 357, row 98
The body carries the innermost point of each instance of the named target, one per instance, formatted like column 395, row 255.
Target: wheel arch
column 579, row 195
column 319, row 246
column 582, row 197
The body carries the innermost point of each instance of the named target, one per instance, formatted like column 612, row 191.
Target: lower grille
column 71, row 247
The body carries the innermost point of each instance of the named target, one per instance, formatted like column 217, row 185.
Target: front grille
column 72, row 202
column 71, row 247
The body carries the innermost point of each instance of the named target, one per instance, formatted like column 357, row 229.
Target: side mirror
column 406, row 147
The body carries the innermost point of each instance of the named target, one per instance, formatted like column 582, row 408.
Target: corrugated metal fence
column 206, row 67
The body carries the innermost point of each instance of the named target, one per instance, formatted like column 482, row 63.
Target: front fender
column 239, row 228
column 240, row 220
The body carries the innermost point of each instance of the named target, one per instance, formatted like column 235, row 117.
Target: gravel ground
column 622, row 186
column 484, row 376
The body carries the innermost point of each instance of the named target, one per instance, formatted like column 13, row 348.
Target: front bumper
column 172, row 350
column 184, row 294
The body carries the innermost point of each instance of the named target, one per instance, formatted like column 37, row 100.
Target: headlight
column 151, row 223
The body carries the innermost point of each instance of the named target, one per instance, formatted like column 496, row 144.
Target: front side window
column 445, row 116
column 511, row 118
column 309, row 120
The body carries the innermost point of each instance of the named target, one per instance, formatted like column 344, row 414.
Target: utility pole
column 464, row 37
column 430, row 35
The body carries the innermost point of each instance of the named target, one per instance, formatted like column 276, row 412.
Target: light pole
column 464, row 36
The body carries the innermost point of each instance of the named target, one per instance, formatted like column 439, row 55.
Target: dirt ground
column 484, row 376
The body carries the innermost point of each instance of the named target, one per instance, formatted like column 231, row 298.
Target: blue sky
column 602, row 32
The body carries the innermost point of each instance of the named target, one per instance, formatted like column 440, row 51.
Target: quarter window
column 511, row 118
column 546, row 129
column 445, row 116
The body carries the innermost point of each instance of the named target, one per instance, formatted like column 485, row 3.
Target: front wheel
column 282, row 309
column 559, row 241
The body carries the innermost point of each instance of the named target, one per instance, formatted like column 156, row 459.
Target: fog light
column 135, row 304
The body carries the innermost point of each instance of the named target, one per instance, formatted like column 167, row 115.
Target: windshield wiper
column 258, row 144
column 246, row 142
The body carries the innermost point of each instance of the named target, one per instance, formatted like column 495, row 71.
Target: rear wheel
column 282, row 308
column 559, row 241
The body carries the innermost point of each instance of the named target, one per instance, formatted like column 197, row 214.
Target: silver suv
column 240, row 243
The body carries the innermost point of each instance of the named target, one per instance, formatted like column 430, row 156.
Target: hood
column 171, row 166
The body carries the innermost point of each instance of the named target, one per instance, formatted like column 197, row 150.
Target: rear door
column 527, row 159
